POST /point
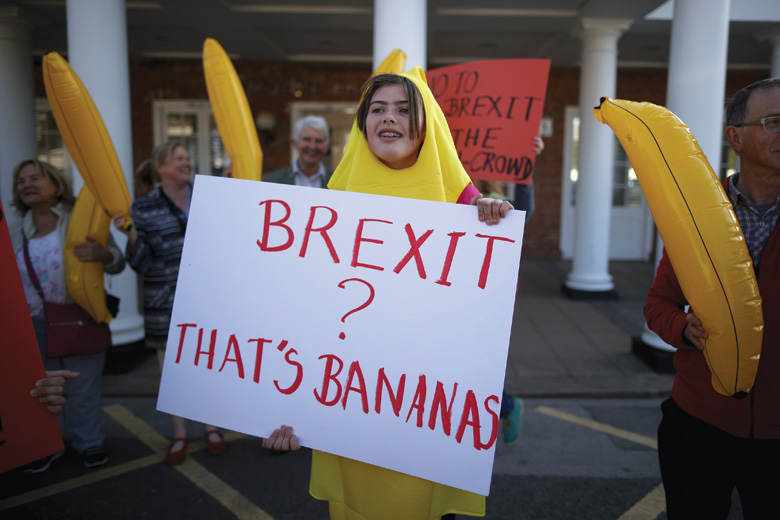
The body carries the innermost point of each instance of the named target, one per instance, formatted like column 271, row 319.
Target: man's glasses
column 771, row 124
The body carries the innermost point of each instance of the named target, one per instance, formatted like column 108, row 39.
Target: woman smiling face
column 388, row 130
column 176, row 168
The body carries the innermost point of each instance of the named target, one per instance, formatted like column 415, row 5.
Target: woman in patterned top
column 154, row 246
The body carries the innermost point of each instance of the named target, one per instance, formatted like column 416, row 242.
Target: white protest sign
column 377, row 327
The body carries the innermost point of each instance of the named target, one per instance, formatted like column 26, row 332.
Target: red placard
column 27, row 431
column 493, row 109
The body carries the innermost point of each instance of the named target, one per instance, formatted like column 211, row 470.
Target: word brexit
column 372, row 231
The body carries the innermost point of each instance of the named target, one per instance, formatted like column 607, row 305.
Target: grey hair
column 736, row 112
column 317, row 123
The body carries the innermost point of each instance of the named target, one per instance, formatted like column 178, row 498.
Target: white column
column 775, row 40
column 97, row 51
column 401, row 24
column 696, row 85
column 17, row 104
column 598, row 77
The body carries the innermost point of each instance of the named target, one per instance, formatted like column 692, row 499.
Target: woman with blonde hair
column 43, row 197
column 154, row 246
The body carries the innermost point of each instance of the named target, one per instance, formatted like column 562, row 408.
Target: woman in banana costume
column 400, row 145
column 44, row 199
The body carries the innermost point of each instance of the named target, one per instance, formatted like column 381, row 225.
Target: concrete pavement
column 559, row 347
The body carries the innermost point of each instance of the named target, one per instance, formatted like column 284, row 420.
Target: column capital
column 606, row 25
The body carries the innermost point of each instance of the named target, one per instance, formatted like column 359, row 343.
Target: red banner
column 27, row 431
column 494, row 109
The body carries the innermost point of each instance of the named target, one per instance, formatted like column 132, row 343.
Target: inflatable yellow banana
column 395, row 63
column 701, row 234
column 231, row 111
column 85, row 279
column 85, row 135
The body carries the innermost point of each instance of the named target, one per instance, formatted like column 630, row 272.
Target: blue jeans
column 81, row 415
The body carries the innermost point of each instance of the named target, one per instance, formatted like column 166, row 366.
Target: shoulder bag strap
column 31, row 271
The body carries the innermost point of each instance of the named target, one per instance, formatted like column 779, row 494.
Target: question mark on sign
column 342, row 284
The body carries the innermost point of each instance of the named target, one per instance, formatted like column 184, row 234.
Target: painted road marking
column 219, row 490
column 234, row 501
column 654, row 503
column 91, row 478
column 599, row 427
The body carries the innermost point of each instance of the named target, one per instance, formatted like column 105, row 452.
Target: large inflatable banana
column 701, row 234
column 231, row 111
column 395, row 63
column 85, row 279
column 85, row 135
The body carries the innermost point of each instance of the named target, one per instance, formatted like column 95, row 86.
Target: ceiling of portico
column 340, row 31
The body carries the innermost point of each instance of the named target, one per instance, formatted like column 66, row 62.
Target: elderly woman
column 43, row 197
column 154, row 246
column 402, row 146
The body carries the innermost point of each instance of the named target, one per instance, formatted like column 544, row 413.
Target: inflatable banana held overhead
column 85, row 135
column 394, row 63
column 701, row 234
column 85, row 279
column 231, row 111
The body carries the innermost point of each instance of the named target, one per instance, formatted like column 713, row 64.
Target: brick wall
column 271, row 87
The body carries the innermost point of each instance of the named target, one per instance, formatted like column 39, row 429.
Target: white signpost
column 377, row 327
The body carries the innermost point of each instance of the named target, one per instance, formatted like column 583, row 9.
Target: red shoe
column 218, row 447
column 174, row 458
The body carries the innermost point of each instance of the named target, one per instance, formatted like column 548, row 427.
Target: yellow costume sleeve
column 356, row 490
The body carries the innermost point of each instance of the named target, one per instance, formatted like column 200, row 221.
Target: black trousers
column 701, row 465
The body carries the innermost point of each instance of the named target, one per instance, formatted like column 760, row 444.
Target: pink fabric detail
column 468, row 193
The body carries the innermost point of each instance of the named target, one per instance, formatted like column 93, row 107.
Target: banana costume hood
column 437, row 175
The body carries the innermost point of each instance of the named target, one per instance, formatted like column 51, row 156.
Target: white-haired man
column 311, row 138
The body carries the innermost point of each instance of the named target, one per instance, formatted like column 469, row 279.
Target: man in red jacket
column 708, row 443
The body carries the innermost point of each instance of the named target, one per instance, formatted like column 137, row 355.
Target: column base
column 578, row 294
column 659, row 360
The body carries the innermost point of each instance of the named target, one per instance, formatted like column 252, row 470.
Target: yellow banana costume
column 105, row 190
column 437, row 174
column 701, row 234
column 85, row 135
column 85, row 279
column 231, row 111
column 355, row 490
